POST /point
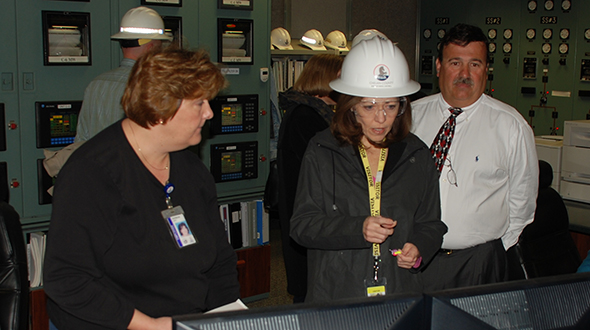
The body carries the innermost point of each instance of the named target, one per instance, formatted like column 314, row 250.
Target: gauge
column 507, row 48
column 492, row 33
column 564, row 33
column 530, row 33
column 508, row 33
column 546, row 48
column 532, row 5
column 427, row 33
column 587, row 34
column 566, row 4
column 547, row 33
column 548, row 4
column 492, row 47
column 441, row 33
column 564, row 48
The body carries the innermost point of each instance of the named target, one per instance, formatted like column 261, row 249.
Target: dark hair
column 462, row 35
column 162, row 78
column 317, row 74
column 347, row 130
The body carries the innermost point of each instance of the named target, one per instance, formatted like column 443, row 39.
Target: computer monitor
column 388, row 312
column 557, row 302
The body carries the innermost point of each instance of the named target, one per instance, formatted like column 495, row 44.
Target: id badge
column 181, row 232
column 376, row 287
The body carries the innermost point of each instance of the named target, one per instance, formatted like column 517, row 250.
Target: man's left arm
column 524, row 182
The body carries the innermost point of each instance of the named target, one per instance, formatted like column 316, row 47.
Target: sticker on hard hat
column 381, row 72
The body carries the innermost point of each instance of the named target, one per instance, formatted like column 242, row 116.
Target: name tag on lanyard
column 375, row 286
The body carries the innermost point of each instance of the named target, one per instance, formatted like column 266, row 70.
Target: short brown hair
column 162, row 78
column 317, row 74
column 347, row 130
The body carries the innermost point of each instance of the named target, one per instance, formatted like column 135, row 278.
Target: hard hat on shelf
column 313, row 39
column 336, row 40
column 280, row 38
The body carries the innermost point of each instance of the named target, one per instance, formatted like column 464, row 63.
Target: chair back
column 14, row 283
column 545, row 247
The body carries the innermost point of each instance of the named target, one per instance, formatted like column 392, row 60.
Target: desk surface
column 579, row 216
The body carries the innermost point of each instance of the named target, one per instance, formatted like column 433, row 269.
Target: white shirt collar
column 467, row 111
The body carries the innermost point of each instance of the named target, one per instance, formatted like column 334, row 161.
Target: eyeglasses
column 451, row 175
column 373, row 108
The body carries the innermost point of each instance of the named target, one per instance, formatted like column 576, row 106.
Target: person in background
column 489, row 177
column 115, row 259
column 308, row 107
column 141, row 30
column 367, row 206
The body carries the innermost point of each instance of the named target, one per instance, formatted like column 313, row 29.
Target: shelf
column 302, row 50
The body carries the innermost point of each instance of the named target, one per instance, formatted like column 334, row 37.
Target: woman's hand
column 410, row 254
column 376, row 229
column 140, row 321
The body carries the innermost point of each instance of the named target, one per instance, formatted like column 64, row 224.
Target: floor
column 278, row 281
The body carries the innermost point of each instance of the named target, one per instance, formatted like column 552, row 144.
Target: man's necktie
column 442, row 142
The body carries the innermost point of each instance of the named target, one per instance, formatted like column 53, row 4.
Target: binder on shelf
column 245, row 224
column 252, row 218
column 262, row 225
column 235, row 226
column 224, row 214
column 36, row 255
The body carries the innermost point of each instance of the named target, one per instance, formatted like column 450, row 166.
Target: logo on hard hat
column 381, row 72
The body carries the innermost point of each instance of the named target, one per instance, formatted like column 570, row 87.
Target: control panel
column 234, row 114
column 234, row 161
column 56, row 123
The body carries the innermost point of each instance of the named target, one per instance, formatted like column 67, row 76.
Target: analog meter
column 547, row 33
column 492, row 33
column 564, row 33
column 441, row 33
column 530, row 34
column 427, row 33
column 507, row 48
column 532, row 5
column 548, row 4
column 508, row 33
column 587, row 34
column 566, row 4
column 492, row 47
column 546, row 48
column 564, row 48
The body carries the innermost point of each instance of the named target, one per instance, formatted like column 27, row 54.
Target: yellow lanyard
column 374, row 187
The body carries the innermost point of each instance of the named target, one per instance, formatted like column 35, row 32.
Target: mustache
column 463, row 80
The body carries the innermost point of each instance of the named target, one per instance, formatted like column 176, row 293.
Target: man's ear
column 437, row 66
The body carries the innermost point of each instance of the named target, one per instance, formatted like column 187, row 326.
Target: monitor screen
column 231, row 162
column 557, row 302
column 390, row 312
column 231, row 114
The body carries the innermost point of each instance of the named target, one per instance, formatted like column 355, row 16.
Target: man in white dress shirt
column 488, row 182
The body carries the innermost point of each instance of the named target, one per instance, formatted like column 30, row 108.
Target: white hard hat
column 141, row 23
column 280, row 38
column 336, row 40
column 368, row 34
column 375, row 68
column 313, row 39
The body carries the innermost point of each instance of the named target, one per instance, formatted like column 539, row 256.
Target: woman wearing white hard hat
column 367, row 204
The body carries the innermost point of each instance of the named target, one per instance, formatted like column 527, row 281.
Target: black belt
column 446, row 251
column 451, row 251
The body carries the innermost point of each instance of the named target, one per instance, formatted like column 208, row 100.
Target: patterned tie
column 442, row 142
